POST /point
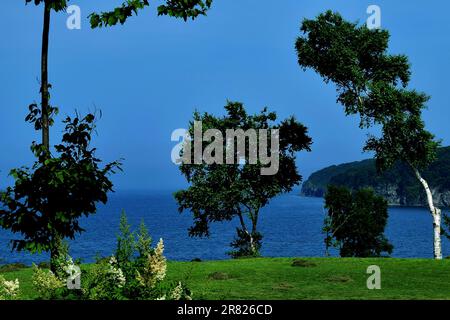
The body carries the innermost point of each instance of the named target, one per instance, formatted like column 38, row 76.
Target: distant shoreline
column 391, row 205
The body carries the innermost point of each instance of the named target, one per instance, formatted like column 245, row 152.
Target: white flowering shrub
column 46, row 283
column 180, row 292
column 116, row 273
column 9, row 290
column 154, row 267
column 105, row 281
column 136, row 271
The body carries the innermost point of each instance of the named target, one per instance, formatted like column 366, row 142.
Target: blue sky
column 148, row 76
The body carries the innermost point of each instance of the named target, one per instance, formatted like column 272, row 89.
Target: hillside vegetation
column 398, row 185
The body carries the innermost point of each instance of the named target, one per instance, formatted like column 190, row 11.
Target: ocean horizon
column 291, row 226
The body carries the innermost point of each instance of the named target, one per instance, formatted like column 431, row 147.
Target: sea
column 291, row 226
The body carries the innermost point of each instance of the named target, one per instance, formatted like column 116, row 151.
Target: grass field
column 311, row 278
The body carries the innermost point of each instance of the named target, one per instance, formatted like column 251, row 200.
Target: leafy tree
column 222, row 192
column 47, row 201
column 355, row 222
column 20, row 198
column 373, row 84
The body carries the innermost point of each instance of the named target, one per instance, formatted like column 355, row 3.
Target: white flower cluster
column 155, row 267
column 158, row 262
column 116, row 272
column 178, row 293
column 9, row 290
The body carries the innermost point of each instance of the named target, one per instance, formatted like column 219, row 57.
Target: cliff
column 398, row 185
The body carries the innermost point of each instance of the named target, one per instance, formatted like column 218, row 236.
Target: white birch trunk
column 436, row 214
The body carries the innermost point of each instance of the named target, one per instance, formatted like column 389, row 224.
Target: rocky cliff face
column 391, row 193
column 398, row 185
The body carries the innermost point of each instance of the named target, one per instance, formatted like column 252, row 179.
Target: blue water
column 291, row 225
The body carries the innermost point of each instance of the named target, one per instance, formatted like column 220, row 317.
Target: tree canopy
column 184, row 9
column 355, row 222
column 47, row 200
column 372, row 83
column 221, row 192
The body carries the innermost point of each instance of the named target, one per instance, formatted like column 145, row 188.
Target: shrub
column 136, row 271
column 154, row 268
column 246, row 245
column 104, row 281
column 46, row 283
column 9, row 290
column 355, row 222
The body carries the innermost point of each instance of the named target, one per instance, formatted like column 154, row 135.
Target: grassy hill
column 398, row 185
column 311, row 278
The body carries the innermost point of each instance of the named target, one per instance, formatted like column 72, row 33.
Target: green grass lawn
column 315, row 278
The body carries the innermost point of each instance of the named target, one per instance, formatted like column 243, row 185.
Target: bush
column 9, row 290
column 46, row 284
column 355, row 222
column 136, row 271
column 104, row 281
column 246, row 245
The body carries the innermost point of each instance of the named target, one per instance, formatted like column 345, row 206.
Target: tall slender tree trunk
column 45, row 95
column 435, row 213
column 45, row 104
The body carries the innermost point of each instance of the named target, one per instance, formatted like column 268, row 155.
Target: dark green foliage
column 57, row 5
column 242, row 244
column 175, row 8
column 398, row 184
column 126, row 243
column 184, row 9
column 222, row 192
column 355, row 222
column 46, row 202
column 371, row 83
column 447, row 226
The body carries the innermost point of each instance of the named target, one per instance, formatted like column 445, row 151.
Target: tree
column 47, row 201
column 373, row 84
column 47, row 164
column 355, row 222
column 222, row 192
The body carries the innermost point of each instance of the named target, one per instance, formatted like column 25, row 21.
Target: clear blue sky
column 148, row 77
